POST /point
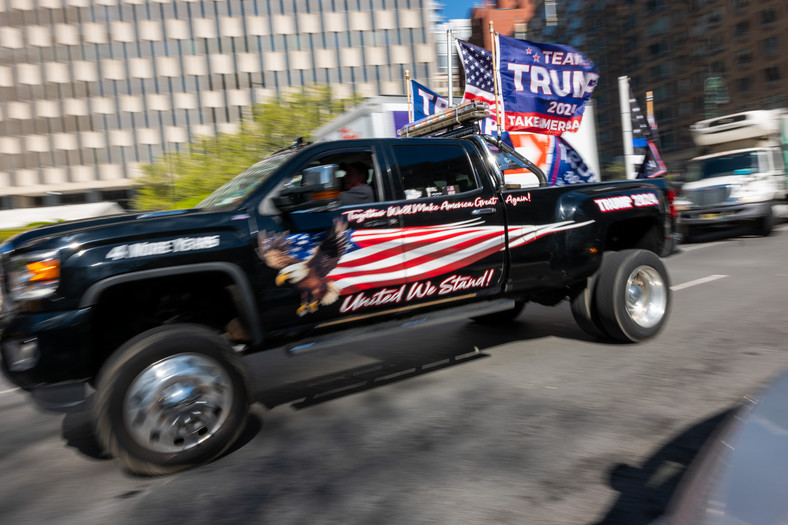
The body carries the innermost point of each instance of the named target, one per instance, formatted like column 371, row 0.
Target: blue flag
column 568, row 167
column 544, row 87
column 425, row 101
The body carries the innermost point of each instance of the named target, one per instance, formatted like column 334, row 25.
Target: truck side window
column 341, row 162
column 427, row 170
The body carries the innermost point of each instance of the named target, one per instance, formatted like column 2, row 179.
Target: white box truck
column 740, row 176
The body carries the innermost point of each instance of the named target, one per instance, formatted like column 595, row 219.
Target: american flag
column 478, row 66
column 389, row 257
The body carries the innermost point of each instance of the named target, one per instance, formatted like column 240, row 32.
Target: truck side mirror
column 315, row 188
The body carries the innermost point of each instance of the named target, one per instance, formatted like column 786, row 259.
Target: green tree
column 182, row 180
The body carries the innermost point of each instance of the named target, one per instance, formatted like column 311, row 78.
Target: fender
column 91, row 295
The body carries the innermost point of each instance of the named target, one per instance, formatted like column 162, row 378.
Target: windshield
column 724, row 165
column 243, row 184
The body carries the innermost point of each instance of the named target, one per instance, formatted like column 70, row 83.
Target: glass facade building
column 91, row 89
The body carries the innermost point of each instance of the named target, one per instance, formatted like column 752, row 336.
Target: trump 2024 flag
column 544, row 87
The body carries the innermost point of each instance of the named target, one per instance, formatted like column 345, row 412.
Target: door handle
column 483, row 211
column 381, row 222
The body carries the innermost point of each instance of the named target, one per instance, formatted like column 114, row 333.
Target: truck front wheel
column 633, row 295
column 171, row 398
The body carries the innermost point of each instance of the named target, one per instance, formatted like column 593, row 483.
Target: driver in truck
column 355, row 189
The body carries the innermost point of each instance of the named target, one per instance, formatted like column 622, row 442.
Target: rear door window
column 427, row 170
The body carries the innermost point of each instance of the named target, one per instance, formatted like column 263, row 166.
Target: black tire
column 584, row 309
column 501, row 318
column 686, row 234
column 173, row 397
column 765, row 224
column 633, row 295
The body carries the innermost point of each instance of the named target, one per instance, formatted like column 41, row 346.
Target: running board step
column 310, row 344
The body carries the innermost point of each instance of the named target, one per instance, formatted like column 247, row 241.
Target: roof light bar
column 465, row 114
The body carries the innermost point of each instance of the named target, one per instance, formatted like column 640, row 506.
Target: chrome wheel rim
column 177, row 403
column 647, row 296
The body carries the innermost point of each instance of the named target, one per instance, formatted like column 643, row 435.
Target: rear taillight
column 671, row 206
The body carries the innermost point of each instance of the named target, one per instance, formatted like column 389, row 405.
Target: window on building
column 550, row 13
column 658, row 27
column 660, row 70
column 521, row 31
column 770, row 46
column 657, row 49
column 768, row 16
column 744, row 56
column 714, row 19
column 741, row 29
column 715, row 44
column 771, row 74
column 744, row 84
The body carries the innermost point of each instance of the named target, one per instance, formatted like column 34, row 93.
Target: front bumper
column 46, row 348
column 715, row 216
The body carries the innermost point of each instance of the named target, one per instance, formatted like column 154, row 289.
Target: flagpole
column 495, row 82
column 626, row 126
column 652, row 122
column 449, row 55
column 410, row 105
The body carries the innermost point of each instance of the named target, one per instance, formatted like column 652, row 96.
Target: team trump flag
column 544, row 87
column 426, row 102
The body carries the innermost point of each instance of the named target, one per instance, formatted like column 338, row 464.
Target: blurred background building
column 509, row 17
column 447, row 55
column 701, row 58
column 89, row 89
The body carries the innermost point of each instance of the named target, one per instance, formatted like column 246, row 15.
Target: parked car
column 741, row 474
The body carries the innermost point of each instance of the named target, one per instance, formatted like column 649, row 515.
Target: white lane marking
column 696, row 282
column 8, row 391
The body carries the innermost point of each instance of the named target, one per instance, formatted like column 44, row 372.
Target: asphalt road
column 461, row 424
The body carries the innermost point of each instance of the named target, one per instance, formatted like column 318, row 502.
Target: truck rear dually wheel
column 171, row 398
column 633, row 295
column 584, row 309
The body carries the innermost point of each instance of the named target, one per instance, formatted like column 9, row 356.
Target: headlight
column 753, row 190
column 33, row 275
column 682, row 204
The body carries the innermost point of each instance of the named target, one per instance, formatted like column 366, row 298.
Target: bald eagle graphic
column 309, row 275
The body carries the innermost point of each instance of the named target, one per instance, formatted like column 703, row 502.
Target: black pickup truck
column 156, row 310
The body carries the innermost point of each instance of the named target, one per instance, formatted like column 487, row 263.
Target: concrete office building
column 91, row 89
